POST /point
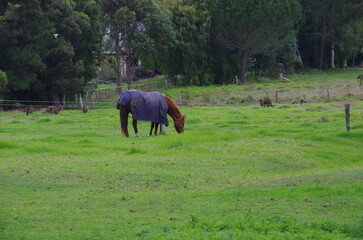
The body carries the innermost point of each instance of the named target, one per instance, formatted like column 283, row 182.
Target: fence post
column 179, row 96
column 64, row 100
column 347, row 117
column 327, row 90
column 277, row 97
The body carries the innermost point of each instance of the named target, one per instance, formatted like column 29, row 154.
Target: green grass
column 238, row 172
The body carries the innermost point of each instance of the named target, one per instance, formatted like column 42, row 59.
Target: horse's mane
column 173, row 110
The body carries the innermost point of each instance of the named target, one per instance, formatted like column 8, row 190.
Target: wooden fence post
column 64, row 100
column 347, row 117
column 277, row 97
column 180, row 100
column 327, row 90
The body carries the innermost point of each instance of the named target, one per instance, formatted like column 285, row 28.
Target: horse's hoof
column 137, row 135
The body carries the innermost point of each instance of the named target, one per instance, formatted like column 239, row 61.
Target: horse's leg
column 156, row 129
column 124, row 118
column 151, row 128
column 134, row 124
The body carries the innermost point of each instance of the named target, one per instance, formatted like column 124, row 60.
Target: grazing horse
column 148, row 106
column 266, row 102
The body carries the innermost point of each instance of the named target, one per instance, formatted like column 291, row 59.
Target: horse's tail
column 123, row 120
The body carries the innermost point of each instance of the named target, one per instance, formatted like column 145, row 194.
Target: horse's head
column 179, row 124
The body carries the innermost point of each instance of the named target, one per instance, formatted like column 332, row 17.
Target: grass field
column 238, row 172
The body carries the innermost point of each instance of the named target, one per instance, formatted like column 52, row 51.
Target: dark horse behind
column 148, row 106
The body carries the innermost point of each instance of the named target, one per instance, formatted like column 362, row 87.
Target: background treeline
column 53, row 48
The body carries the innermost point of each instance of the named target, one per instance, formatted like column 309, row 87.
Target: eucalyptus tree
column 135, row 28
column 248, row 27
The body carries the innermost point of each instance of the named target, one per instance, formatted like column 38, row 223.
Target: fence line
column 98, row 98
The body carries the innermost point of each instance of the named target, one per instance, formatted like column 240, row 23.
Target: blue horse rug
column 146, row 106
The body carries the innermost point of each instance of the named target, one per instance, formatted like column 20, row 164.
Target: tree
column 249, row 27
column 350, row 33
column 133, row 26
column 74, row 47
column 189, row 54
column 48, row 48
column 330, row 32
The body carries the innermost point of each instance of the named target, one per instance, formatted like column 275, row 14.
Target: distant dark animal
column 53, row 109
column 84, row 109
column 266, row 102
column 148, row 106
column 360, row 77
column 29, row 110
column 302, row 101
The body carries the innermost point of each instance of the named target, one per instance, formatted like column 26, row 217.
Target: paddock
column 294, row 166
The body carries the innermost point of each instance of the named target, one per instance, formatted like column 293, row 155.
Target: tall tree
column 250, row 26
column 47, row 48
column 330, row 32
column 189, row 55
column 133, row 26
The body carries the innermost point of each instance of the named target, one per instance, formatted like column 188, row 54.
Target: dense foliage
column 48, row 48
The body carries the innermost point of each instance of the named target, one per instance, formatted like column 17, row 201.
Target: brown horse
column 172, row 111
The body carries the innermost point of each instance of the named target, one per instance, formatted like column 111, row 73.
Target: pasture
column 238, row 172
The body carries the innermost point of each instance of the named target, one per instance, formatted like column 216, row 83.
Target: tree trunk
column 332, row 57
column 118, row 62
column 353, row 61
column 322, row 43
column 243, row 67
column 130, row 68
column 301, row 63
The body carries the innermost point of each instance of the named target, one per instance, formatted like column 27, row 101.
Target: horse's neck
column 173, row 110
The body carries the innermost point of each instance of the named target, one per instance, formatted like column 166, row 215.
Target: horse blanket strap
column 146, row 106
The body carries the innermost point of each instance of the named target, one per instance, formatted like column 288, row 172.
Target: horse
column 132, row 102
column 266, row 102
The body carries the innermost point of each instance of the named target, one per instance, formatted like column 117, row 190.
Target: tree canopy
column 52, row 48
column 48, row 48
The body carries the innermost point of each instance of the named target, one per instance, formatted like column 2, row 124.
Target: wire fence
column 106, row 97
